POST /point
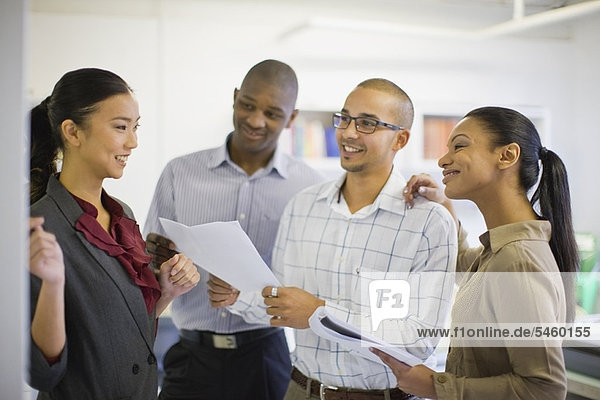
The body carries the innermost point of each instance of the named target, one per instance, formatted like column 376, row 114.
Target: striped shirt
column 324, row 249
column 207, row 186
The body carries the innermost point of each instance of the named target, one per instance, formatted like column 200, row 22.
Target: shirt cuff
column 53, row 360
column 43, row 375
column 445, row 386
column 337, row 311
column 243, row 302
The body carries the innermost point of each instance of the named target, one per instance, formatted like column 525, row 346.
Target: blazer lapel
column 115, row 271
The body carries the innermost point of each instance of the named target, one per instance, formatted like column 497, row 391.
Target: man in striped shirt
column 333, row 236
column 219, row 355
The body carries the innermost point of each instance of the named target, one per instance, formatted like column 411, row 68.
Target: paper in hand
column 224, row 250
column 333, row 329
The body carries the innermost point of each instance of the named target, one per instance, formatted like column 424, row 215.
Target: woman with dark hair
column 494, row 156
column 94, row 300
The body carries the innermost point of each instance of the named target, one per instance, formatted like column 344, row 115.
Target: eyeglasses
column 363, row 124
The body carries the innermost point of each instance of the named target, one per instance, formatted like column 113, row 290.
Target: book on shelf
column 310, row 138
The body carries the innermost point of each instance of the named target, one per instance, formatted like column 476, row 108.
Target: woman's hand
column 48, row 329
column 417, row 380
column 45, row 254
column 178, row 275
column 423, row 185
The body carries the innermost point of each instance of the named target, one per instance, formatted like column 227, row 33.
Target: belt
column 326, row 392
column 225, row 341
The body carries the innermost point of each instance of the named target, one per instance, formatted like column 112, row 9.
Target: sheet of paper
column 224, row 250
column 331, row 328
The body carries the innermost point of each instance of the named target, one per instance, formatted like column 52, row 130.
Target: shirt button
column 151, row 359
column 246, row 184
column 242, row 216
column 223, row 315
column 135, row 369
column 442, row 379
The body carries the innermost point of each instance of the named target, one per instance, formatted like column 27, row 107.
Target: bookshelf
column 436, row 130
column 312, row 135
column 312, row 138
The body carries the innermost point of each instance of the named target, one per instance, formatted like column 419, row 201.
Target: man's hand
column 221, row 293
column 160, row 248
column 292, row 307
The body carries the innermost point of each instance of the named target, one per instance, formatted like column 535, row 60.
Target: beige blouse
column 506, row 372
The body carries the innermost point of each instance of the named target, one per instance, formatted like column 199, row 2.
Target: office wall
column 126, row 45
column 185, row 61
column 581, row 137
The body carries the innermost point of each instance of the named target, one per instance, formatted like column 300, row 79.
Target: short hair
column 276, row 73
column 405, row 111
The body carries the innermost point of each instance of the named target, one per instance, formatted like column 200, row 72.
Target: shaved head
column 274, row 73
column 405, row 111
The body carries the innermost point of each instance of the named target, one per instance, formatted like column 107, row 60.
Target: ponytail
column 552, row 194
column 554, row 200
column 43, row 153
column 555, row 205
column 75, row 97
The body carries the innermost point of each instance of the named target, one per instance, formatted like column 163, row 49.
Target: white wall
column 185, row 60
column 580, row 137
column 125, row 45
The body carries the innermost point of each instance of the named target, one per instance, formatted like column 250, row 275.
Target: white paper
column 333, row 329
column 224, row 250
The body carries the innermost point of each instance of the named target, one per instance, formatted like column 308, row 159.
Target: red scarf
column 124, row 242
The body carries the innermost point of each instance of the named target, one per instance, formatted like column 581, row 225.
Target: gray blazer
column 110, row 336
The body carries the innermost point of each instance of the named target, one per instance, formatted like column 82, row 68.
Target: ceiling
column 552, row 19
column 424, row 6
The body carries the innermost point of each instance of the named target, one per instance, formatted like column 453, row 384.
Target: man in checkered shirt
column 334, row 235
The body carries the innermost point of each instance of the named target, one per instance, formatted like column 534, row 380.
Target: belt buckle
column 323, row 388
column 224, row 342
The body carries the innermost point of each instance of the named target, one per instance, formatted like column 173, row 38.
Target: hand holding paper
column 336, row 330
column 221, row 293
column 224, row 250
column 416, row 380
column 290, row 306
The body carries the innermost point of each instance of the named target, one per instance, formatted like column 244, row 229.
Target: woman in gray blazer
column 93, row 312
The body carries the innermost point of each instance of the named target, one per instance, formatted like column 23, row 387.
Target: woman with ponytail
column 494, row 159
column 94, row 300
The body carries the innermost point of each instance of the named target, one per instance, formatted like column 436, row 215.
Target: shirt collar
column 277, row 163
column 499, row 237
column 390, row 197
column 332, row 191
